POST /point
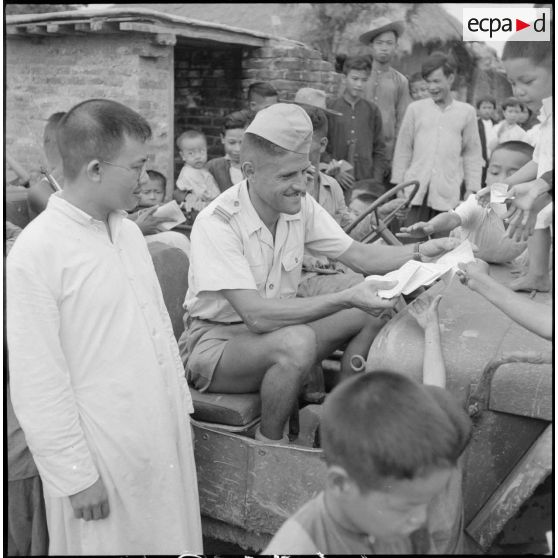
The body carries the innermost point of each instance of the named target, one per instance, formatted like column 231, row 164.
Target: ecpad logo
column 502, row 24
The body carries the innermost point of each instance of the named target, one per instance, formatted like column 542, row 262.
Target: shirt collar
column 79, row 216
column 251, row 218
column 349, row 102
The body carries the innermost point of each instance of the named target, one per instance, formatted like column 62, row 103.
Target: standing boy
column 226, row 170
column 387, row 88
column 508, row 129
column 356, row 136
column 96, row 378
column 438, row 145
column 486, row 109
column 393, row 482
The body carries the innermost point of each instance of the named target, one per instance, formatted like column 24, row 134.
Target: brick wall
column 51, row 74
column 288, row 66
column 207, row 87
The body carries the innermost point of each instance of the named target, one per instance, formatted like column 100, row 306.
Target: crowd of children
column 393, row 487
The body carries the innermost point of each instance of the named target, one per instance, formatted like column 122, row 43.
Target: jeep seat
column 237, row 411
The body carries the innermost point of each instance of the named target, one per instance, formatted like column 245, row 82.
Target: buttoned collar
column 73, row 212
column 448, row 107
column 351, row 104
column 250, row 216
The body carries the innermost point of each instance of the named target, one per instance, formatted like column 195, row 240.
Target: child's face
column 419, row 90
column 152, row 193
column 511, row 114
column 232, row 142
column 194, row 152
column 258, row 102
column 531, row 84
column 355, row 80
column 503, row 163
column 395, row 512
column 486, row 110
column 523, row 116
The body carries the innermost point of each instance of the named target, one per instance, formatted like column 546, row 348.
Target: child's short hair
column 517, row 146
column 262, row 89
column 486, row 99
column 512, row 102
column 237, row 120
column 538, row 52
column 157, row 176
column 364, row 197
column 437, row 60
column 318, row 118
column 96, row 129
column 384, row 425
column 361, row 63
column 52, row 123
column 189, row 134
column 416, row 77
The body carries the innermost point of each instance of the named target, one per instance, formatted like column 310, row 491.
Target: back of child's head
column 157, row 177
column 49, row 138
column 415, row 78
column 486, row 99
column 318, row 118
column 189, row 135
column 384, row 425
column 360, row 63
column 238, row 120
column 519, row 147
column 511, row 102
column 261, row 89
column 539, row 53
column 438, row 60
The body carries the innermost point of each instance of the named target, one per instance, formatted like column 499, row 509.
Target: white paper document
column 414, row 275
column 498, row 192
column 172, row 214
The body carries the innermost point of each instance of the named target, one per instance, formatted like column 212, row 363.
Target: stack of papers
column 415, row 274
column 172, row 214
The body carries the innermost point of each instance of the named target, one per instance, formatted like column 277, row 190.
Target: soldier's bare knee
column 297, row 347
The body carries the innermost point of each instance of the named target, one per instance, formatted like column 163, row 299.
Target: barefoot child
column 483, row 226
column 392, row 448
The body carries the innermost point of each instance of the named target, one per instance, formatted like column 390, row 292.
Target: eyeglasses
column 139, row 171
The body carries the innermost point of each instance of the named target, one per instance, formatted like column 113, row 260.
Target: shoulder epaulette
column 221, row 212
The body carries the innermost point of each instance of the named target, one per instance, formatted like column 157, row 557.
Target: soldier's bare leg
column 275, row 363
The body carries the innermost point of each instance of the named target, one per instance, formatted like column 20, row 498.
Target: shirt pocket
column 291, row 271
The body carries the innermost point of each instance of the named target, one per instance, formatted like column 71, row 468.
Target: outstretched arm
column 425, row 312
column 531, row 315
column 445, row 222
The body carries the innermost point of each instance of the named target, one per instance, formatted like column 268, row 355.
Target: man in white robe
column 96, row 378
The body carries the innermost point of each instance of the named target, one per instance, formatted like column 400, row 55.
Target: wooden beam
column 216, row 35
column 515, row 490
column 166, row 39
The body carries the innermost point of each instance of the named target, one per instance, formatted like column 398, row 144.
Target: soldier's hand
column 346, row 179
column 365, row 296
column 418, row 230
column 91, row 503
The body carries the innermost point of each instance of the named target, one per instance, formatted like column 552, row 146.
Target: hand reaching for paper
column 438, row 246
column 147, row 222
column 418, row 230
column 425, row 310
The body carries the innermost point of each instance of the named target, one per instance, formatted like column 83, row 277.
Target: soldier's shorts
column 318, row 284
column 201, row 346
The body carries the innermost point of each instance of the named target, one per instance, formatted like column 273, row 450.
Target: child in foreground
column 483, row 226
column 196, row 185
column 392, row 447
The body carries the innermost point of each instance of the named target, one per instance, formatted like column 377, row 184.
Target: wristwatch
column 417, row 256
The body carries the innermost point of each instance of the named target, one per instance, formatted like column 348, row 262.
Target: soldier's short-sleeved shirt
column 231, row 248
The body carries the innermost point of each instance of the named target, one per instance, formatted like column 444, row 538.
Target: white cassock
column 98, row 385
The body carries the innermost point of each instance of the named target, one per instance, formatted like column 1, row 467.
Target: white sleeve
column 41, row 389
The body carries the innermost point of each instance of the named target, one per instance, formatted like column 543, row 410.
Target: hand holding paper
column 171, row 214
